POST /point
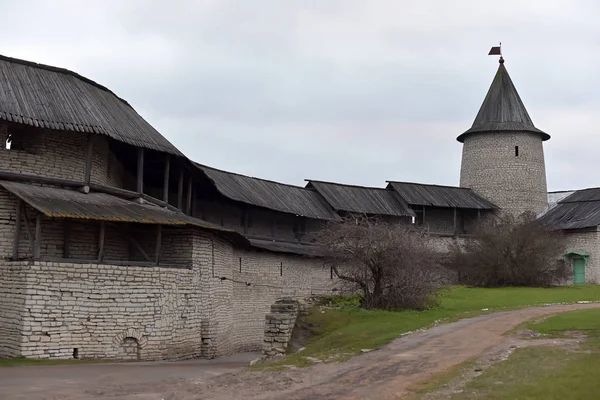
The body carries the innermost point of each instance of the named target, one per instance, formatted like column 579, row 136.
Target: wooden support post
column 101, row 241
column 273, row 225
column 240, row 264
column 66, row 238
column 423, row 215
column 15, row 252
column 245, row 220
column 38, row 237
column 140, row 170
column 478, row 214
column 158, row 242
column 89, row 154
column 29, row 234
column 166, row 180
column 281, row 269
column 180, row 191
column 455, row 220
column 188, row 203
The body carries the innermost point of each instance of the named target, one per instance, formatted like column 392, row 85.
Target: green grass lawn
column 345, row 331
column 547, row 372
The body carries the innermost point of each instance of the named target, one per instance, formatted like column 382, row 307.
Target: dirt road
column 383, row 374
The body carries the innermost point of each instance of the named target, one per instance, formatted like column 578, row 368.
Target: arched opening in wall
column 130, row 349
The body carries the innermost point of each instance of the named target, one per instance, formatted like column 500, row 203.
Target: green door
column 579, row 266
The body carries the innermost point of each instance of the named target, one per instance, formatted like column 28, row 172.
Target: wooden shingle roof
column 361, row 199
column 577, row 211
column 48, row 97
column 269, row 194
column 418, row 194
column 502, row 109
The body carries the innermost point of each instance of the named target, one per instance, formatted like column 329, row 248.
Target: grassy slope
column 547, row 372
column 348, row 330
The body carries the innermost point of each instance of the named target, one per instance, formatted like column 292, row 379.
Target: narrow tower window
column 516, row 151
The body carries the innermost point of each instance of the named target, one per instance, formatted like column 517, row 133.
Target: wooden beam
column 273, row 224
column 245, row 220
column 38, row 237
column 158, row 242
column 29, row 234
column 89, row 154
column 188, row 204
column 454, row 221
column 140, row 170
column 139, row 248
column 15, row 252
column 101, row 241
column 15, row 176
column 166, row 179
column 66, row 238
column 180, row 191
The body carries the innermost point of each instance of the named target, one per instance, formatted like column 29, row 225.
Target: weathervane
column 497, row 51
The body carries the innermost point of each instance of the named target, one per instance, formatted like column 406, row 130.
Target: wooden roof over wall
column 418, row 194
column 577, row 211
column 54, row 98
column 268, row 194
column 361, row 199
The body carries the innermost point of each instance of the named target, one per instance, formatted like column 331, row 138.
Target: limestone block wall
column 514, row 183
column 12, row 307
column 266, row 277
column 279, row 325
column 589, row 242
column 49, row 309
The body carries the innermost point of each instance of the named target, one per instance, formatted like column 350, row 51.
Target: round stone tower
column 503, row 154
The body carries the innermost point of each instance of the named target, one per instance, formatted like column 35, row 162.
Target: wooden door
column 579, row 269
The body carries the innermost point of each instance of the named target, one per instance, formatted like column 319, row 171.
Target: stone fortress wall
column 209, row 299
column 58, row 309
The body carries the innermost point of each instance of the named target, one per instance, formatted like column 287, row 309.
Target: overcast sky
column 353, row 91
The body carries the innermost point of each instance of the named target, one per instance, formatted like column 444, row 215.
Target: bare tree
column 392, row 264
column 510, row 251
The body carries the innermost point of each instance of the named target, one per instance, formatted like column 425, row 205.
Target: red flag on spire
column 495, row 51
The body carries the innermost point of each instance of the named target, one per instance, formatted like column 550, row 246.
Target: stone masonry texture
column 514, row 183
column 48, row 309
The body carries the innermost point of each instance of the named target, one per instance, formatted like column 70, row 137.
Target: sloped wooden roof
column 418, row 194
column 269, row 194
column 502, row 109
column 577, row 211
column 361, row 199
column 64, row 203
column 287, row 247
column 48, row 97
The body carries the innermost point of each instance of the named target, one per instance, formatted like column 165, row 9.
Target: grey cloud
column 344, row 90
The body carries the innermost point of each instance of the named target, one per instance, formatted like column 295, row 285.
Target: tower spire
column 502, row 109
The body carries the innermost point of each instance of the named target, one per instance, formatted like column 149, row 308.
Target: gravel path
column 387, row 373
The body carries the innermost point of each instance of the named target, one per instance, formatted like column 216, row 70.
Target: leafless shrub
column 391, row 264
column 510, row 251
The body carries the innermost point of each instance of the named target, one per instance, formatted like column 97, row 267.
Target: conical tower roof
column 502, row 109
